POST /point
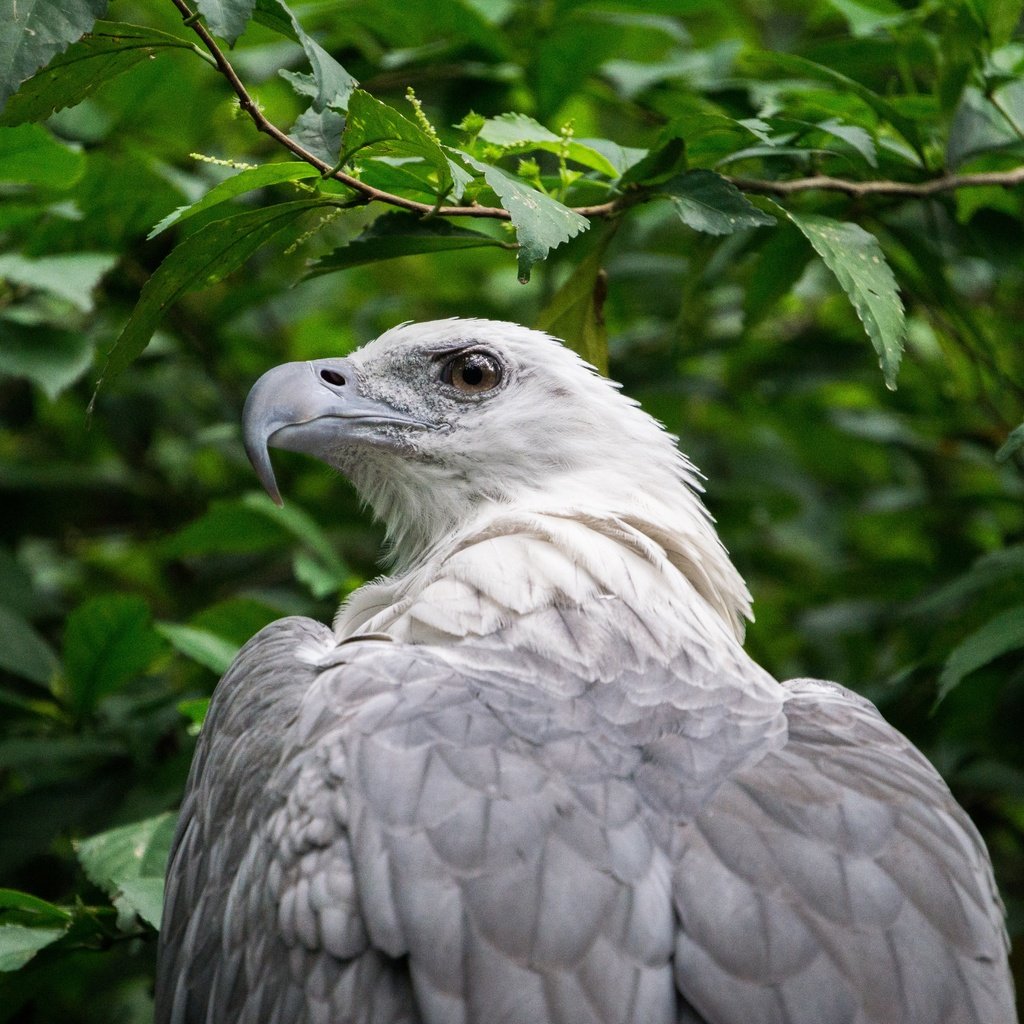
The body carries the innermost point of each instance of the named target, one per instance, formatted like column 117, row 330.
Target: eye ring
column 472, row 373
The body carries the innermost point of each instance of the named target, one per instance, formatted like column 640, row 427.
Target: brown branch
column 920, row 189
column 369, row 194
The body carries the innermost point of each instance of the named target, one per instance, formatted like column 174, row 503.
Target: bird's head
column 437, row 423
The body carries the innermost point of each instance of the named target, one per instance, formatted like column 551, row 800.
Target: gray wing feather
column 838, row 881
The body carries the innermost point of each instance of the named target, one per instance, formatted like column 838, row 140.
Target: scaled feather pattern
column 532, row 777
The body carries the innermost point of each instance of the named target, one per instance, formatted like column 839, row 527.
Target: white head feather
column 554, row 437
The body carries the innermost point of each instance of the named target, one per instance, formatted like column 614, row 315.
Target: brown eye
column 472, row 372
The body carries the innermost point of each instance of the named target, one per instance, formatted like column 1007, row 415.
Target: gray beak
column 309, row 407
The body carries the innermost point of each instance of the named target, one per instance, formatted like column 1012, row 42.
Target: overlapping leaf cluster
column 728, row 203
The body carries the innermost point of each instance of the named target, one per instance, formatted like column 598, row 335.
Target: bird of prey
column 532, row 777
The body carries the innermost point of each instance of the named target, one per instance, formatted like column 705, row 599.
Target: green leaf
column 857, row 261
column 109, row 640
column 401, row 234
column 30, row 155
column 129, row 863
column 1013, row 444
column 34, row 31
column 195, row 709
column 779, row 264
column 333, row 84
column 541, row 223
column 32, row 906
column 997, row 637
column 663, row 162
column 202, row 259
column 72, row 277
column 299, row 524
column 520, row 133
column 227, row 527
column 574, row 313
column 707, row 202
column 372, row 124
column 19, row 943
column 227, row 18
column 319, row 131
column 23, row 651
column 867, row 16
column 790, row 64
column 245, row 181
column 208, row 649
column 108, row 51
column 51, row 358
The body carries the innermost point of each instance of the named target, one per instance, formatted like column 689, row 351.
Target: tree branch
column 369, row 194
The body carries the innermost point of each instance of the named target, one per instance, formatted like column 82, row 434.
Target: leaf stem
column 818, row 182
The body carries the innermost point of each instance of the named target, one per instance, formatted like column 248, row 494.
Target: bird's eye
column 472, row 373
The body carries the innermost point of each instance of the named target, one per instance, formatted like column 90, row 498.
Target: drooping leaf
column 997, row 637
column 705, row 201
column 32, row 32
column 195, row 710
column 1013, row 444
column 574, row 313
column 19, row 943
column 108, row 641
column 30, row 155
column 857, row 261
column 214, row 251
column 23, row 651
column 244, row 181
column 208, row 649
column 227, row 18
column 370, row 123
column 791, row 64
column 401, row 234
column 319, row 131
column 128, row 863
column 299, row 524
column 107, row 51
column 333, row 84
column 51, row 358
column 520, row 133
column 541, row 223
column 779, row 263
column 71, row 277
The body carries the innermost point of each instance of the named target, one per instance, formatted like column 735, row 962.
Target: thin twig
column 920, row 189
column 369, row 194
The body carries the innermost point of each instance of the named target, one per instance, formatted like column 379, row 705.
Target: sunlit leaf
column 857, row 261
column 319, row 131
column 372, row 124
column 520, row 133
column 541, row 223
column 208, row 649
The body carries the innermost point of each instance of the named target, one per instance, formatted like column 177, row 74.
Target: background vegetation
column 881, row 531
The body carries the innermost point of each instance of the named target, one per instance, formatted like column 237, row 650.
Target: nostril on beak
column 332, row 377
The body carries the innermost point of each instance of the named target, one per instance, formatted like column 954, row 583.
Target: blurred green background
column 880, row 536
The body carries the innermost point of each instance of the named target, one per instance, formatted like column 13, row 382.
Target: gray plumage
column 533, row 778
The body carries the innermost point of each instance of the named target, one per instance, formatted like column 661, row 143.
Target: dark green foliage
column 744, row 208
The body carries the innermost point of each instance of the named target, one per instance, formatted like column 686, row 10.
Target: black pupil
column 332, row 377
column 473, row 373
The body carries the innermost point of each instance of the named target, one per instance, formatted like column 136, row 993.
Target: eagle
column 531, row 776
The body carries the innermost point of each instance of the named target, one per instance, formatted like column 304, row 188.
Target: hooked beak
column 310, row 408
